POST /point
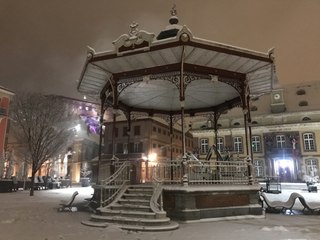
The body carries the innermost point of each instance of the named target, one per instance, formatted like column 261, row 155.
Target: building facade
column 74, row 161
column 5, row 98
column 148, row 141
column 285, row 128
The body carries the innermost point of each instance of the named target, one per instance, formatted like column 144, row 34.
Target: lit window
column 259, row 168
column 309, row 143
column 281, row 141
column 220, row 144
column 312, row 167
column 204, row 145
column 256, row 144
column 237, row 144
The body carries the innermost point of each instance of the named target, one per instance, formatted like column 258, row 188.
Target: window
column 259, row 168
column 306, row 119
column 256, row 144
column 254, row 122
column 236, row 124
column 136, row 147
column 220, row 144
column 237, row 144
column 137, row 130
column 303, row 103
column 125, row 131
column 116, row 130
column 159, row 130
column 204, row 145
column 125, row 148
column 312, row 167
column 281, row 141
column 119, row 148
column 301, row 92
column 308, row 141
column 154, row 129
column 254, row 108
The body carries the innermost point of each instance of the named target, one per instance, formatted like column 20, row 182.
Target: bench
column 309, row 206
column 67, row 205
column 281, row 206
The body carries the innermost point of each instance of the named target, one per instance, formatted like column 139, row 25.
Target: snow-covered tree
column 41, row 122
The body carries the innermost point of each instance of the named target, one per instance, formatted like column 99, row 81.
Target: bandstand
column 176, row 76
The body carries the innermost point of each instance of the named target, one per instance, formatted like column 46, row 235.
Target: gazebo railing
column 168, row 172
column 111, row 187
column 203, row 172
column 218, row 172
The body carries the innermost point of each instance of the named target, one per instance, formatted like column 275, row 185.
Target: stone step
column 143, row 202
column 94, row 224
column 128, row 213
column 131, row 207
column 140, row 190
column 130, row 220
column 137, row 196
column 168, row 227
column 141, row 186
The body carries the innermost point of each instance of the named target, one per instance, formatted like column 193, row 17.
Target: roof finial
column 173, row 19
column 173, row 10
column 134, row 29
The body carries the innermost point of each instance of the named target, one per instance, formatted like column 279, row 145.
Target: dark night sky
column 43, row 43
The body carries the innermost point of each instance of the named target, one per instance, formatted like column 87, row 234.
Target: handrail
column 112, row 186
column 156, row 201
column 115, row 174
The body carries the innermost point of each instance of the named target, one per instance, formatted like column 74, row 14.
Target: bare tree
column 42, row 123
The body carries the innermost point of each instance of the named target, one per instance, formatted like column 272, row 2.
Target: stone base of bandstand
column 198, row 202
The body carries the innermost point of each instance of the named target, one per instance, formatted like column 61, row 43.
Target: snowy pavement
column 36, row 218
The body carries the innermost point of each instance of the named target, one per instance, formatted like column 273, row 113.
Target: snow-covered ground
column 36, row 218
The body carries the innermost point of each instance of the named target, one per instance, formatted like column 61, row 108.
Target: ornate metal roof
column 143, row 74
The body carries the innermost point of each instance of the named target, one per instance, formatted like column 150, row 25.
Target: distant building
column 148, row 140
column 285, row 133
column 74, row 161
column 5, row 97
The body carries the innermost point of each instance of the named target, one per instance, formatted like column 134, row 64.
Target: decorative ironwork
column 173, row 77
column 136, row 115
column 124, row 83
column 135, row 39
column 175, row 118
column 235, row 83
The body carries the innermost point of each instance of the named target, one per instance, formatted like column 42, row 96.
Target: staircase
column 133, row 209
